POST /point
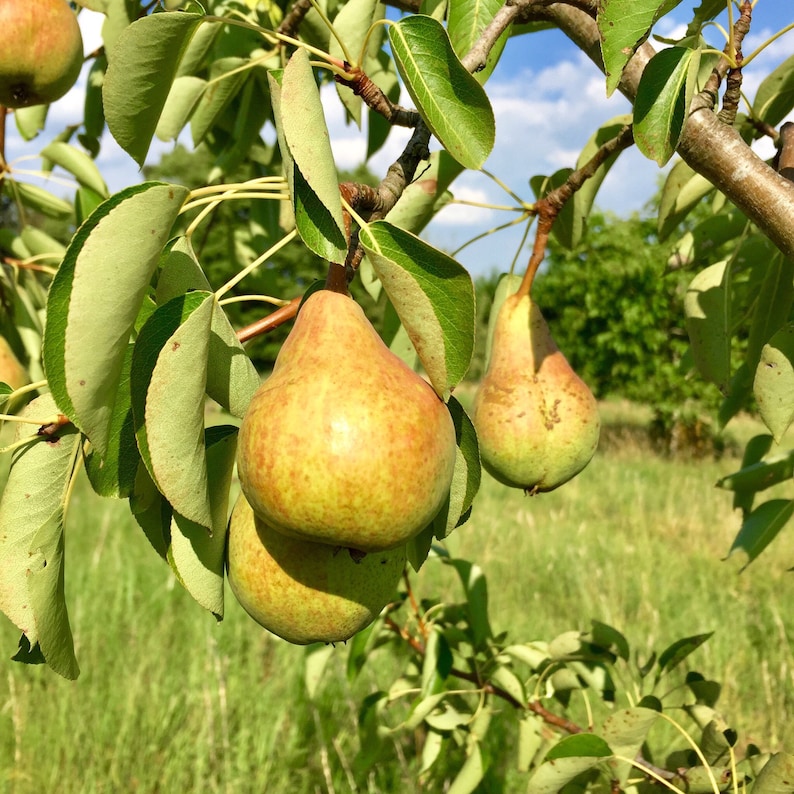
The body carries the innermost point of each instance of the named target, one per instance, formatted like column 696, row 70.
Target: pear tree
column 355, row 460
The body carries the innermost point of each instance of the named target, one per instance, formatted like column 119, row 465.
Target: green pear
column 306, row 592
column 42, row 51
column 343, row 443
column 536, row 420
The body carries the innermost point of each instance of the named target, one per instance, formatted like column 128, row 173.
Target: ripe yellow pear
column 536, row 420
column 41, row 54
column 343, row 443
column 306, row 592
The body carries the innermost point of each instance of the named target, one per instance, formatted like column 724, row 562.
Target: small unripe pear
column 344, row 443
column 537, row 422
column 41, row 53
column 306, row 592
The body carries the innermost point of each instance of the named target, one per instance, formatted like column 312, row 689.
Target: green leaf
column 38, row 199
column 624, row 25
column 353, row 26
column 774, row 382
column 196, row 554
column 93, row 110
column 436, row 664
column 476, row 589
column 707, row 309
column 471, row 773
column 144, row 62
column 31, row 121
column 306, row 135
column 316, row 660
column 773, row 305
column 609, row 637
column 113, row 474
column 777, row 776
column 579, row 746
column 169, row 373
column 95, row 298
column 182, row 100
column 676, row 653
column 77, row 163
column 625, row 732
column 226, row 80
column 452, row 103
column 466, row 475
column 664, row 95
column 31, row 539
column 775, row 96
column 761, row 527
column 584, row 198
column 466, row 20
column 566, row 760
column 433, row 296
column 151, row 511
column 683, row 190
column 232, row 378
column 760, row 475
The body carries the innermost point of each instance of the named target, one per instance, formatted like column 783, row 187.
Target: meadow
column 170, row 701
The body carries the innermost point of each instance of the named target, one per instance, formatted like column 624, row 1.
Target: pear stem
column 273, row 320
column 336, row 280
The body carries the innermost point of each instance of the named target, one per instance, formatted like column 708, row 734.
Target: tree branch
column 713, row 149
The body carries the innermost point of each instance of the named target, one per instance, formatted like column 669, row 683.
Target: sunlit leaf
column 144, row 62
column 707, row 309
column 433, row 296
column 775, row 96
column 624, row 25
column 451, row 101
column 774, row 382
column 95, row 298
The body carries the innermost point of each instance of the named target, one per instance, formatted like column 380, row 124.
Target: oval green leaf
column 774, row 382
column 31, row 538
column 77, row 163
column 306, row 136
column 169, row 375
column 707, row 309
column 775, row 96
column 95, row 298
column 433, row 296
column 662, row 104
column 624, row 25
column 145, row 61
column 453, row 104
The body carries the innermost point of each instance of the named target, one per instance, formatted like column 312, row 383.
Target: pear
column 306, row 592
column 12, row 373
column 42, row 51
column 536, row 420
column 343, row 443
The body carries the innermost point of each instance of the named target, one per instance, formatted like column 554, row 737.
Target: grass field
column 168, row 701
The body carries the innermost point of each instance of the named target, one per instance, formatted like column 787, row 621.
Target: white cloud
column 465, row 214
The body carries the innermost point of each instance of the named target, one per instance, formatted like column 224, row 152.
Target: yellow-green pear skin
column 13, row 373
column 41, row 53
column 537, row 422
column 306, row 592
column 344, row 443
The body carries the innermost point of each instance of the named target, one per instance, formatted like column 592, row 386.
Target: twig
column 733, row 83
column 374, row 98
column 290, row 24
column 785, row 156
column 273, row 320
column 550, row 206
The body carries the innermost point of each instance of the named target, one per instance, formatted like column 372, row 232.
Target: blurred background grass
column 170, row 701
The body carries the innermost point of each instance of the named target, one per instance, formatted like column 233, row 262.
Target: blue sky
column 548, row 99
